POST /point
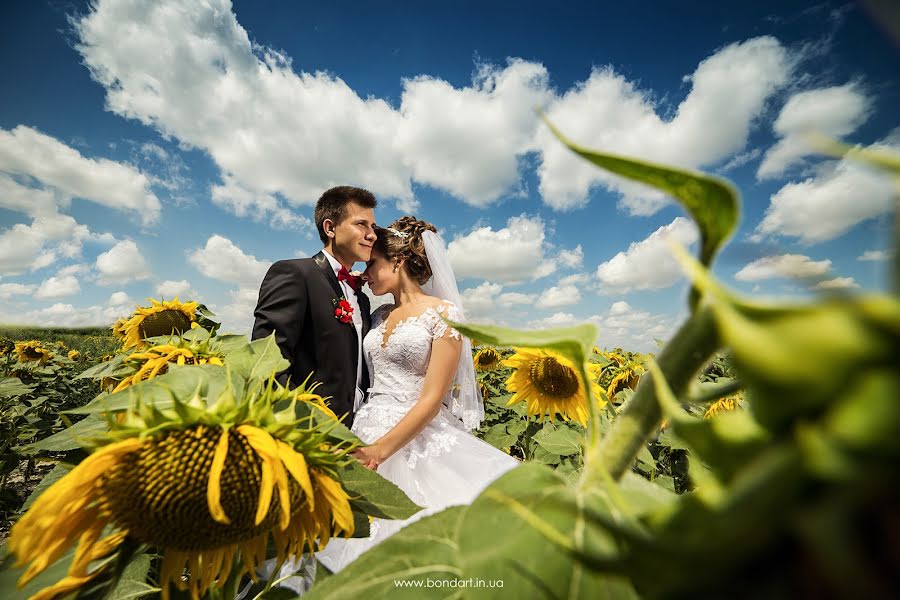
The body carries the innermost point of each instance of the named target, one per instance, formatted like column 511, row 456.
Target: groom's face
column 354, row 235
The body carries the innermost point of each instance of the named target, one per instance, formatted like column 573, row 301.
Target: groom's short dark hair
column 333, row 202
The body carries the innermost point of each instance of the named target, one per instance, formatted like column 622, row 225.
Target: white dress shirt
column 350, row 295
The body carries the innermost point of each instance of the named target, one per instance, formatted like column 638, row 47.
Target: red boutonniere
column 343, row 311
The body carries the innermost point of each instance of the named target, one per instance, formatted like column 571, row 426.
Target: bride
column 424, row 400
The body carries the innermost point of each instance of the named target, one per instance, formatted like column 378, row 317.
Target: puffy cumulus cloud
column 841, row 195
column 121, row 263
column 835, row 111
column 169, row 289
column 237, row 315
column 608, row 112
column 875, row 255
column 221, row 259
column 513, row 254
column 27, row 152
column 647, row 264
column 790, row 266
column 191, row 71
column 50, row 235
column 119, row 299
column 67, row 315
column 626, row 327
column 467, row 141
column 8, row 290
column 838, row 283
column 488, row 301
column 58, row 286
column 571, row 258
column 259, row 206
column 556, row 296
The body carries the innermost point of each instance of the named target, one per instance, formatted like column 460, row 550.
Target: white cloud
column 790, row 266
column 559, row 319
column 269, row 129
column 607, row 112
column 121, row 264
column 556, row 296
column 237, row 316
column 221, row 259
column 119, row 299
column 27, row 152
column 575, row 279
column 633, row 329
column 875, row 255
column 480, row 300
column 169, row 289
column 513, row 254
column 838, row 283
column 835, row 111
column 509, row 299
column 827, row 205
column 259, row 206
column 50, row 235
column 571, row 258
column 58, row 286
column 276, row 134
column 467, row 141
column 8, row 290
column 647, row 264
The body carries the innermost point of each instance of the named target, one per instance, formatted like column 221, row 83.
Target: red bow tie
column 355, row 281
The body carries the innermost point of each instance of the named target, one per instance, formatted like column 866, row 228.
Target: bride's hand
column 370, row 456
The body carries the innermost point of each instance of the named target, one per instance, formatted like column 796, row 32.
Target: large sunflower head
column 488, row 359
column 32, row 351
column 202, row 483
column 549, row 384
column 160, row 318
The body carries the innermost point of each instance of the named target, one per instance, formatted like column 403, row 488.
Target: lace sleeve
column 440, row 328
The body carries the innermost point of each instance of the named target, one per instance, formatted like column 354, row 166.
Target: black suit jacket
column 297, row 299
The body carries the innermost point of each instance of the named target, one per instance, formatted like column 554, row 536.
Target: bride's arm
column 445, row 353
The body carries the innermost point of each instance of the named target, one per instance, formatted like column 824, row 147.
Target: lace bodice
column 397, row 365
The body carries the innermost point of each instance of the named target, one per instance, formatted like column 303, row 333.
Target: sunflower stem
column 688, row 350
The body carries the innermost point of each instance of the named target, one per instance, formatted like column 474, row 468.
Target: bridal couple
column 402, row 379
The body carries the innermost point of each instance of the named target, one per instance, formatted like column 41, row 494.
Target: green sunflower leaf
column 374, row 495
column 712, row 202
column 572, row 342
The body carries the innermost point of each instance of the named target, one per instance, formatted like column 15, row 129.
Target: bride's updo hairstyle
column 402, row 240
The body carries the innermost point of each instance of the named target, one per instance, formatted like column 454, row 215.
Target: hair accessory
column 402, row 234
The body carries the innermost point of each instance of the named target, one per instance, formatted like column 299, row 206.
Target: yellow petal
column 214, row 487
column 296, row 466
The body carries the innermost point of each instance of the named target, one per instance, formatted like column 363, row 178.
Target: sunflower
column 156, row 360
column 721, row 406
column 118, row 329
column 160, row 318
column 32, row 351
column 549, row 383
column 202, row 483
column 488, row 359
column 74, row 354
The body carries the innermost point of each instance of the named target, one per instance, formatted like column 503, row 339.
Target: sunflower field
column 754, row 455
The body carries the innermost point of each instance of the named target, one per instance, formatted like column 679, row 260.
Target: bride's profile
column 424, row 399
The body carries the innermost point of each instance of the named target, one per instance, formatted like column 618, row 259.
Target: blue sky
column 154, row 149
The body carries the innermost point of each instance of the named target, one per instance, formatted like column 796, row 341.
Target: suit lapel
column 328, row 272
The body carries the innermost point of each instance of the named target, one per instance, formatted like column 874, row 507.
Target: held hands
column 371, row 456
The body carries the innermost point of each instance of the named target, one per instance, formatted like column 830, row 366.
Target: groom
column 302, row 301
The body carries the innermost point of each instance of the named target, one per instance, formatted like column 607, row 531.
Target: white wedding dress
column 444, row 465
